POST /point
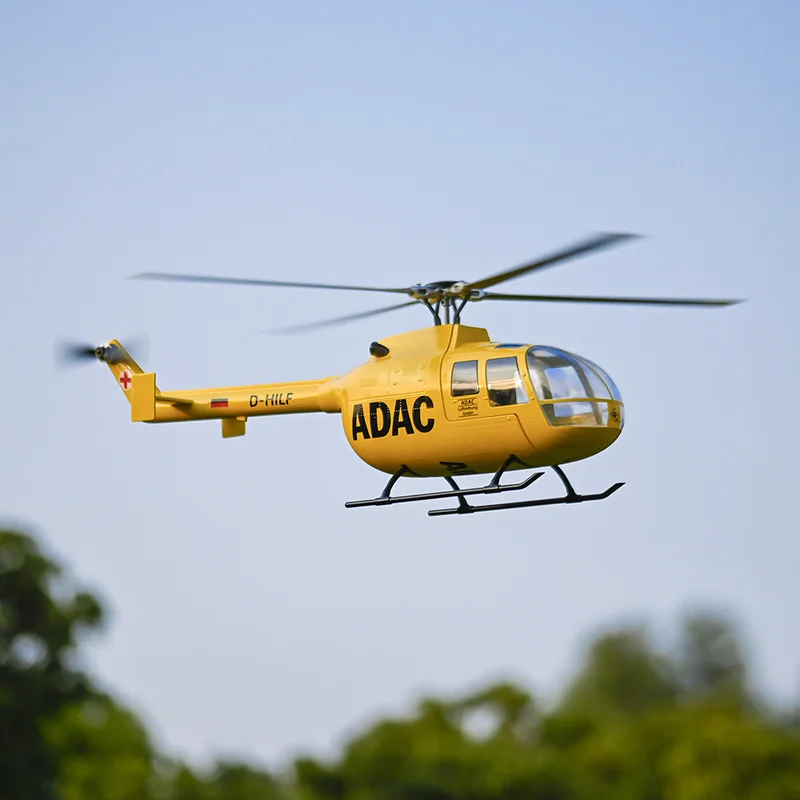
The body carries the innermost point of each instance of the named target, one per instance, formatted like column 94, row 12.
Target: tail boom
column 148, row 404
column 234, row 405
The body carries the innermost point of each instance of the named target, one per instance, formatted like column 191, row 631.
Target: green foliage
column 722, row 753
column 432, row 756
column 711, row 662
column 104, row 751
column 226, row 781
column 622, row 676
column 634, row 723
column 61, row 738
column 39, row 631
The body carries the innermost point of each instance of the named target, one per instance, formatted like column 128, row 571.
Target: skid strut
column 493, row 487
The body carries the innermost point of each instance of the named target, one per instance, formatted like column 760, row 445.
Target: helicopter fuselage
column 439, row 401
column 443, row 401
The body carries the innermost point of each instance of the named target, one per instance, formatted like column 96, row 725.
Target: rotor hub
column 108, row 353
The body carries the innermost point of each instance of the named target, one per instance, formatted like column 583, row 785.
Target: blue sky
column 251, row 613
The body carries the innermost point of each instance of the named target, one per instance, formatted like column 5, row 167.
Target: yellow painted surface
column 396, row 410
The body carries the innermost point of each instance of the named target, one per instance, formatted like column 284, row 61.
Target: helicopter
column 444, row 401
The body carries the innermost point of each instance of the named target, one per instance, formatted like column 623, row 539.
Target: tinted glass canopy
column 560, row 377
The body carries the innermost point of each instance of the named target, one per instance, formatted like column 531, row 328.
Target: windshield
column 559, row 376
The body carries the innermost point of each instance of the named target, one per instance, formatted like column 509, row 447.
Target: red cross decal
column 125, row 380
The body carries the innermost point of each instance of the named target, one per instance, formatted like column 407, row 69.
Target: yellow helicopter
column 443, row 401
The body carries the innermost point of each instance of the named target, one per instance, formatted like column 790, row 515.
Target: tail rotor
column 69, row 353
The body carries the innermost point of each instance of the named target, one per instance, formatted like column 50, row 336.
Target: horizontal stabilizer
column 145, row 395
column 174, row 401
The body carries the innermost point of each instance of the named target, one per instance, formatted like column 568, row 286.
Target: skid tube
column 493, row 487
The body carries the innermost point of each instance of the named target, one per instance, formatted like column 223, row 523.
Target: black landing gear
column 493, row 487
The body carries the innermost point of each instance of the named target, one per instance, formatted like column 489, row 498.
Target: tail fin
column 138, row 386
column 122, row 366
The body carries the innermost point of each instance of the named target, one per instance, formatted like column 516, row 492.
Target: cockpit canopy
column 571, row 390
column 561, row 378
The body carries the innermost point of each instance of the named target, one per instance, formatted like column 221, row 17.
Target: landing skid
column 493, row 487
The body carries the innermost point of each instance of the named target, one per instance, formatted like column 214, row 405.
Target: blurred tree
column 225, row 781
column 104, row 752
column 633, row 724
column 242, row 782
column 434, row 756
column 183, row 784
column 710, row 659
column 41, row 619
column 722, row 752
column 622, row 675
column 506, row 709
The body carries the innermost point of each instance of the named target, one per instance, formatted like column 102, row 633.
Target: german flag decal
column 219, row 402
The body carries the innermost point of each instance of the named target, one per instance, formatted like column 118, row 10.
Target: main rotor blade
column 171, row 276
column 597, row 242
column 655, row 301
column 339, row 320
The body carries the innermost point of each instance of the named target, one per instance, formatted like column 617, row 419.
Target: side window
column 465, row 378
column 504, row 382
